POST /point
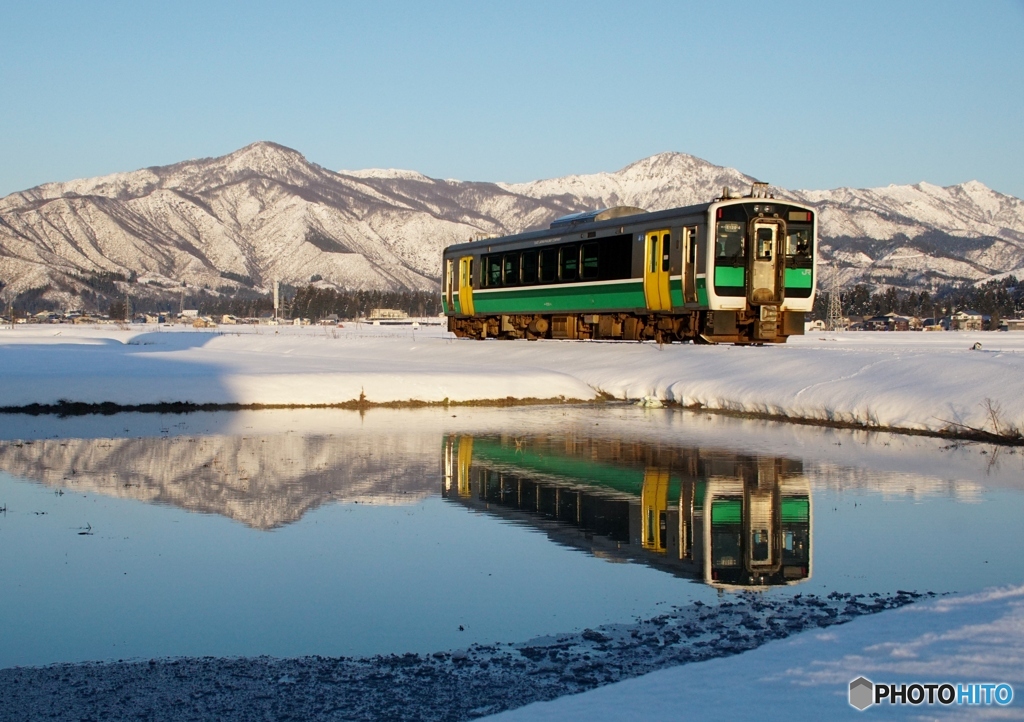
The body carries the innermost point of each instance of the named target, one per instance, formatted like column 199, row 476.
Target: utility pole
column 277, row 299
column 834, row 319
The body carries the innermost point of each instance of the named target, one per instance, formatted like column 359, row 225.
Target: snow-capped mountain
column 263, row 481
column 265, row 212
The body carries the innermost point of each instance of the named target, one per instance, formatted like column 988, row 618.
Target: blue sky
column 801, row 94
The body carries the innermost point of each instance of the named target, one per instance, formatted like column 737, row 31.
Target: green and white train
column 736, row 270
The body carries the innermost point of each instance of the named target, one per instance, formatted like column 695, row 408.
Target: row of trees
column 316, row 303
column 306, row 302
column 1002, row 298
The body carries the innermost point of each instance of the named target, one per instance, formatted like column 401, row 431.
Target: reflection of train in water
column 734, row 521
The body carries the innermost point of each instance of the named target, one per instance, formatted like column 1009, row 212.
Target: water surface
column 335, row 533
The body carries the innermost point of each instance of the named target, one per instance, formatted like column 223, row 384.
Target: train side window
column 730, row 244
column 570, row 261
column 616, row 257
column 589, row 266
column 548, row 265
column 666, row 243
column 692, row 232
column 492, row 271
column 511, row 269
column 798, row 247
column 529, row 274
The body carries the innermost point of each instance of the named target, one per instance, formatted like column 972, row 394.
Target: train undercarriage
column 764, row 324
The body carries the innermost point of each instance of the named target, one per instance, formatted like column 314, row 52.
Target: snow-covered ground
column 905, row 380
column 971, row 639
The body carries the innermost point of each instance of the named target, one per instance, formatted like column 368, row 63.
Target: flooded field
column 334, row 533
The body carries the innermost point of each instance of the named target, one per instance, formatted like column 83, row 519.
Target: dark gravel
column 459, row 685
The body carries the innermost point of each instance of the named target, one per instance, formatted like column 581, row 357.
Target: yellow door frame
column 656, row 270
column 654, row 505
column 465, row 461
column 466, row 285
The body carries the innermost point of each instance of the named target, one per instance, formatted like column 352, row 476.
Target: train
column 734, row 521
column 740, row 269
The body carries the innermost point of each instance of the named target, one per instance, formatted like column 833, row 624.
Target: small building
column 190, row 313
column 968, row 321
column 1013, row 324
column 380, row 314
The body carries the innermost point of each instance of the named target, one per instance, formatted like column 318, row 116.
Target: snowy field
column 926, row 381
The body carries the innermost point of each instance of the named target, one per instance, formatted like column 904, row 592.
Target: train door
column 690, row 264
column 654, row 508
column 466, row 285
column 448, row 466
column 762, row 518
column 766, row 263
column 449, row 284
column 465, row 460
column 656, row 266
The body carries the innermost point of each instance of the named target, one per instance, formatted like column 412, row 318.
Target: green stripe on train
column 702, row 291
column 796, row 509
column 726, row 511
column 798, row 278
column 570, row 297
column 729, row 276
column 629, row 480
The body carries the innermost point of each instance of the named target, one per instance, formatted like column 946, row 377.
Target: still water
column 335, row 533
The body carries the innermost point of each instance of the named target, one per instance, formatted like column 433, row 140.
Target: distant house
column 1013, row 324
column 887, row 322
column 190, row 313
column 968, row 321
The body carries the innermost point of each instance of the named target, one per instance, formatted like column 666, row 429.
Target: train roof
column 601, row 219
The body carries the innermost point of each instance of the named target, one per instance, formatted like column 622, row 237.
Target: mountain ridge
column 264, row 212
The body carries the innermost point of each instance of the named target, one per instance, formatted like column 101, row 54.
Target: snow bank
column 925, row 381
column 970, row 639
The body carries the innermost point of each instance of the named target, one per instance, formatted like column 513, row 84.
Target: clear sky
column 802, row 94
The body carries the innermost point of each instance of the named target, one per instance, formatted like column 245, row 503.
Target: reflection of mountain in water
column 733, row 520
column 261, row 481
